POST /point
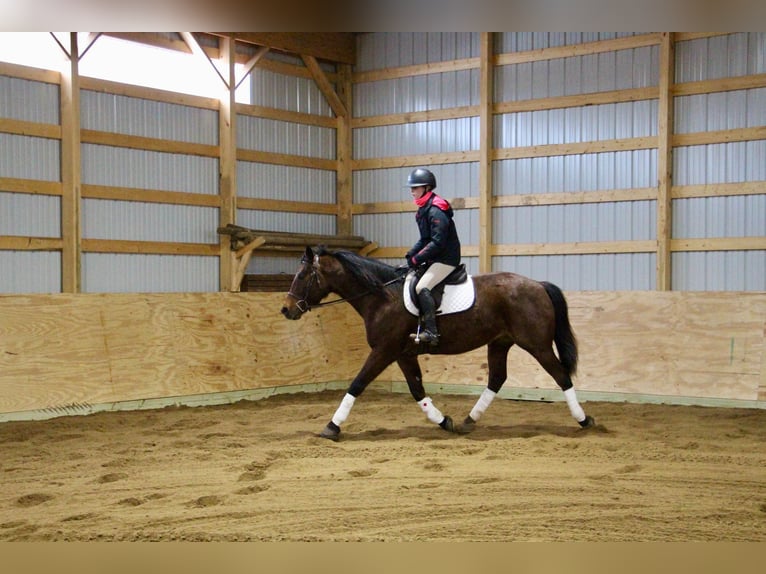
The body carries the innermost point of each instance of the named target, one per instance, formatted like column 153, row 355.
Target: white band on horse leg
column 481, row 405
column 434, row 415
column 574, row 406
column 341, row 414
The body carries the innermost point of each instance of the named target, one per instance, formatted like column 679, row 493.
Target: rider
column 438, row 247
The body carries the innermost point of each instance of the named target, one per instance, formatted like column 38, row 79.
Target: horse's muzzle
column 293, row 313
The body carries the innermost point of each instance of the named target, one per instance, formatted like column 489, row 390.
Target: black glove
column 411, row 264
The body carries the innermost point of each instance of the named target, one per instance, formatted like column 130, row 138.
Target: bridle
column 303, row 304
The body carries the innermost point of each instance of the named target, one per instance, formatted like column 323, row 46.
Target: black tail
column 566, row 344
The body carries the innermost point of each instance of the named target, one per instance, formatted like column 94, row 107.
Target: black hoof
column 588, row 422
column 331, row 432
column 468, row 426
column 447, row 424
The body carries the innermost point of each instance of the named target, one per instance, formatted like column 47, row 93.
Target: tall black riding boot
column 429, row 335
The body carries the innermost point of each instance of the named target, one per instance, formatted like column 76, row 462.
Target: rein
column 303, row 305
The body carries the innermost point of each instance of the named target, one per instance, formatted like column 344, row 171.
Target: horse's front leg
column 376, row 362
column 414, row 376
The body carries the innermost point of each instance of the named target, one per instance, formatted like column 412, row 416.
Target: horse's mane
column 371, row 273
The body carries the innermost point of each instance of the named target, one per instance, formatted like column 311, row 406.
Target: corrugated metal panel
column 285, row 137
column 380, row 50
column 587, row 172
column 273, row 265
column 30, row 272
column 721, row 111
column 288, row 93
column 292, row 222
column 147, row 118
column 725, row 56
column 607, row 272
column 269, row 181
column 417, row 93
column 417, row 138
column 733, row 216
column 121, row 273
column 624, row 69
column 719, row 163
column 122, row 167
column 29, row 157
column 28, row 100
column 30, row 215
column 105, row 219
column 719, row 271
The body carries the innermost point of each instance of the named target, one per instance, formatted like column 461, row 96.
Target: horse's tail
column 566, row 343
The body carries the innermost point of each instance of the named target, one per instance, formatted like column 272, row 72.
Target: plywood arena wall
column 93, row 349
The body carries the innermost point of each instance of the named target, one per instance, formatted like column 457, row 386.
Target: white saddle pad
column 456, row 297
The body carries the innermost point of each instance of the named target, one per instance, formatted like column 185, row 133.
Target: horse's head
column 308, row 288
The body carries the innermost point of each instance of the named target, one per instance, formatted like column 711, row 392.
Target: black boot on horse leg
column 429, row 335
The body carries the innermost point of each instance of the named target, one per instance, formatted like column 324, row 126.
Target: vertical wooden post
column 486, row 143
column 227, row 164
column 665, row 162
column 344, row 185
column 71, row 172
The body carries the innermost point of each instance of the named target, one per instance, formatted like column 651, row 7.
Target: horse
column 509, row 309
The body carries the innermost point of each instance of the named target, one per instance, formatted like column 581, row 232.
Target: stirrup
column 429, row 338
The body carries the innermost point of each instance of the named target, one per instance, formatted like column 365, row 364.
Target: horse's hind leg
column 414, row 376
column 555, row 369
column 497, row 360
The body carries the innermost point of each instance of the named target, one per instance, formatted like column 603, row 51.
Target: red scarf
column 423, row 199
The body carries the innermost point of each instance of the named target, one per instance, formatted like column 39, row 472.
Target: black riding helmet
column 421, row 176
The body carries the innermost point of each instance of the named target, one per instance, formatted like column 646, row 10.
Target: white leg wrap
column 481, row 405
column 341, row 414
column 574, row 406
column 434, row 415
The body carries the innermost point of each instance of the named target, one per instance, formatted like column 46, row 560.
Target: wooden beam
column 227, row 183
column 332, row 46
column 71, row 175
column 486, row 145
column 344, row 146
column 338, row 107
column 665, row 163
column 250, row 64
column 197, row 50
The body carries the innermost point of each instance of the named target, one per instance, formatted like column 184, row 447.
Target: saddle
column 453, row 294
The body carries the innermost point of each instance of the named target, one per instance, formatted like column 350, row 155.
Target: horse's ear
column 309, row 254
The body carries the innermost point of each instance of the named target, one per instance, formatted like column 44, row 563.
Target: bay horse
column 509, row 309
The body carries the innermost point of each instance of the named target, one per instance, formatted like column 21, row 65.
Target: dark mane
column 371, row 273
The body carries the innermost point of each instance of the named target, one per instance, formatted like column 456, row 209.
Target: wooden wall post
column 345, row 155
column 71, row 172
column 227, row 162
column 665, row 162
column 486, row 90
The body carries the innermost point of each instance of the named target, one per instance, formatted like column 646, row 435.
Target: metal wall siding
column 28, row 157
column 30, row 215
column 705, row 217
column 725, row 56
column 273, row 265
column 719, row 163
column 275, row 136
column 133, row 221
column 30, row 272
column 607, row 272
column 290, row 93
column 141, row 169
column 269, row 181
column 29, row 101
column 318, row 224
column 126, row 273
column 719, row 271
column 147, row 118
column 417, row 138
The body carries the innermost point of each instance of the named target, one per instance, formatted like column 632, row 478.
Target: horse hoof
column 447, row 424
column 468, row 426
column 331, row 432
column 588, row 422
